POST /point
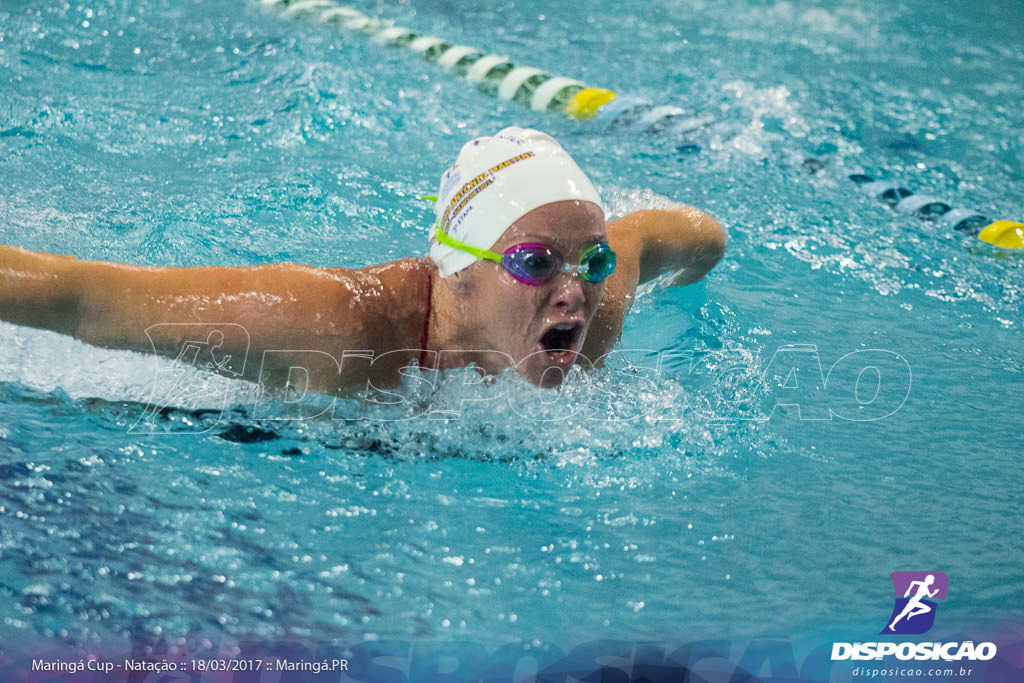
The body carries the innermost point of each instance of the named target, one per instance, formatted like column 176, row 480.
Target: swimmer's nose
column 568, row 294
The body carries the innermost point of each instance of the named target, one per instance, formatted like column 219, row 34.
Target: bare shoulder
column 345, row 326
column 378, row 307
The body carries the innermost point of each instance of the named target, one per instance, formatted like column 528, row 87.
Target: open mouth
column 560, row 341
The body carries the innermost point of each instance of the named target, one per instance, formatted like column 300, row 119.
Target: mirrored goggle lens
column 597, row 263
column 531, row 264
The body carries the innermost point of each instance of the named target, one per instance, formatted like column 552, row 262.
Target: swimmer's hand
column 683, row 276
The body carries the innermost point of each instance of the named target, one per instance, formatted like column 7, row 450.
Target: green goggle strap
column 449, row 241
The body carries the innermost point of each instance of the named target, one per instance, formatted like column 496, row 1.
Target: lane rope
column 498, row 76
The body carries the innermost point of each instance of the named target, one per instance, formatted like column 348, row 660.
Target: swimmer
column 914, row 606
column 523, row 272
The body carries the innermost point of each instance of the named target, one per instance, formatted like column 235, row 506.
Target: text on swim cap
column 472, row 187
column 475, row 185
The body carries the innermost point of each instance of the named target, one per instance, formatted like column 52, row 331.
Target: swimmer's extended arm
column 34, row 290
column 113, row 305
column 684, row 241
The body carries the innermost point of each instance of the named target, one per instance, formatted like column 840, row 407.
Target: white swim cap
column 494, row 182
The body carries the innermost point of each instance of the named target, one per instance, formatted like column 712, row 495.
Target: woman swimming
column 523, row 272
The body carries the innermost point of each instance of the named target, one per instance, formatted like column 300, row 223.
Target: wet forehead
column 567, row 225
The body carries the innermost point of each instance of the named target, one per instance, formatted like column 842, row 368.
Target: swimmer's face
column 541, row 327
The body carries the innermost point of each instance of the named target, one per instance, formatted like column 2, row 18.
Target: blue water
column 666, row 500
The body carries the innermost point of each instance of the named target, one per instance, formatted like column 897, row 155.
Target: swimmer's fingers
column 682, row 277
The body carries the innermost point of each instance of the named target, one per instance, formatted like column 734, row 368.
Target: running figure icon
column 915, row 606
column 916, row 593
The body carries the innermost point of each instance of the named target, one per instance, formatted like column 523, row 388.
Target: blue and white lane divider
column 904, row 200
column 498, row 76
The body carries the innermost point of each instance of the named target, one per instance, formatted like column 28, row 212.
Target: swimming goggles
column 534, row 264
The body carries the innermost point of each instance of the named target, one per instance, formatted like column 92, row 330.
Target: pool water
column 840, row 399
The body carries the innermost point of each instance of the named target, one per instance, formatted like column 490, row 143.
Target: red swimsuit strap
column 425, row 337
